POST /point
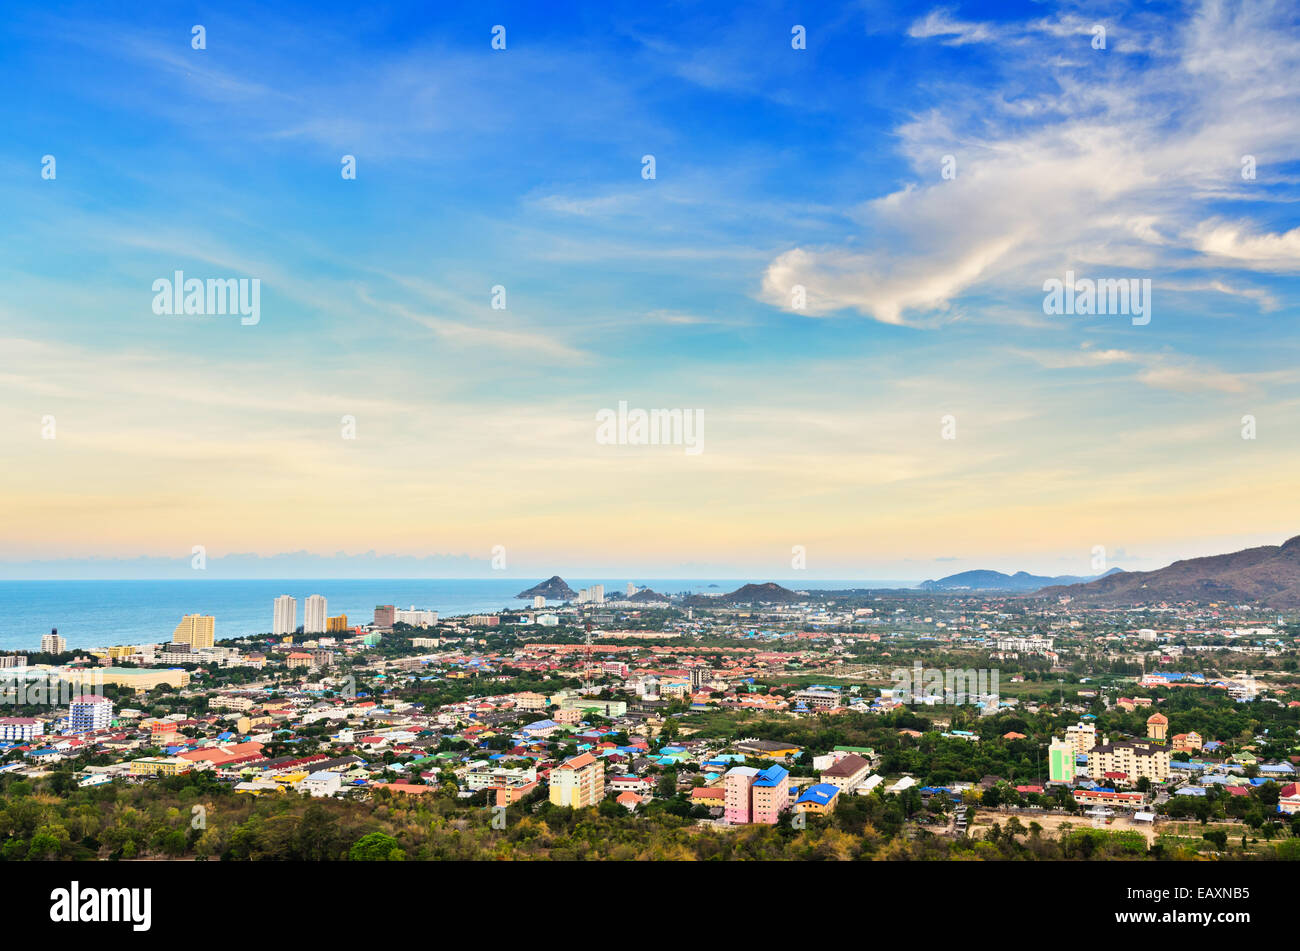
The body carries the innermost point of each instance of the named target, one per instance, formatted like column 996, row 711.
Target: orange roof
column 411, row 788
column 217, row 755
column 578, row 762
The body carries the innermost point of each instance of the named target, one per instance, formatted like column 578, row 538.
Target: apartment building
column 284, row 619
column 20, row 729
column 1135, row 759
column 90, row 712
column 314, row 614
column 1083, row 736
column 52, row 643
column 578, row 782
column 1061, row 758
column 756, row 795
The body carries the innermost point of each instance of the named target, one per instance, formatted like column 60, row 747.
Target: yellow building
column 160, row 766
column 1134, row 758
column 245, row 725
column 336, row 625
column 578, row 782
column 196, row 630
column 136, row 678
column 1157, row 726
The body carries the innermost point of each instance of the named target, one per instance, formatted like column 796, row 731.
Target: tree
column 376, row 847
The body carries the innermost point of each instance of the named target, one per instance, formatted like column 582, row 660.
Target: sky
column 917, row 173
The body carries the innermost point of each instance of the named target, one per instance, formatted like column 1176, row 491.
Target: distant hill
column 553, row 589
column 980, row 580
column 1268, row 576
column 646, row 596
column 767, row 593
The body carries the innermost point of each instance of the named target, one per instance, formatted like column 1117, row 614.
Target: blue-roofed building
column 818, row 799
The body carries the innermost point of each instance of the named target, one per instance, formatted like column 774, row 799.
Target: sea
column 104, row 613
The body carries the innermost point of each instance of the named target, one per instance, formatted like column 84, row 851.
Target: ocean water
column 102, row 613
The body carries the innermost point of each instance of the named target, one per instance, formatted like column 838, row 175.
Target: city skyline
column 135, row 435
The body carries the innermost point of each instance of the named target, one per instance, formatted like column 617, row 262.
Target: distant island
column 552, row 589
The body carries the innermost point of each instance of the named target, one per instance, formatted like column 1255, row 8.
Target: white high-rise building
column 631, row 588
column 416, row 617
column 52, row 643
column 598, row 593
column 314, row 614
column 539, row 601
column 286, row 616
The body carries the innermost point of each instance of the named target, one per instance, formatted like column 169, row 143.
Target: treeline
column 197, row 818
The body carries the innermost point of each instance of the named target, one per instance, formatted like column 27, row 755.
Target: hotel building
column 197, row 630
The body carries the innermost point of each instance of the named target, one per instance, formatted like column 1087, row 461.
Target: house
column 321, row 784
column 1288, row 800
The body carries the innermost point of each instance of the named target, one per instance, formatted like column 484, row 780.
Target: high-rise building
column 1060, row 760
column 598, row 593
column 90, row 712
column 539, row 601
column 631, row 588
column 52, row 643
column 385, row 615
column 197, row 630
column 578, row 782
column 285, row 620
column 314, row 614
column 337, row 624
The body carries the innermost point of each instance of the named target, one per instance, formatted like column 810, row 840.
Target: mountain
column 768, row 593
column 553, row 589
column 1267, row 576
column 646, row 596
column 997, row 581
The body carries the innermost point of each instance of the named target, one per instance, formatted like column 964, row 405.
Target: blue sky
column 775, row 167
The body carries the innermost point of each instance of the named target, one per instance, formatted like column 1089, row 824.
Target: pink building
column 756, row 796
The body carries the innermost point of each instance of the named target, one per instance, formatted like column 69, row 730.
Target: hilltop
column 552, row 589
column 1268, row 576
